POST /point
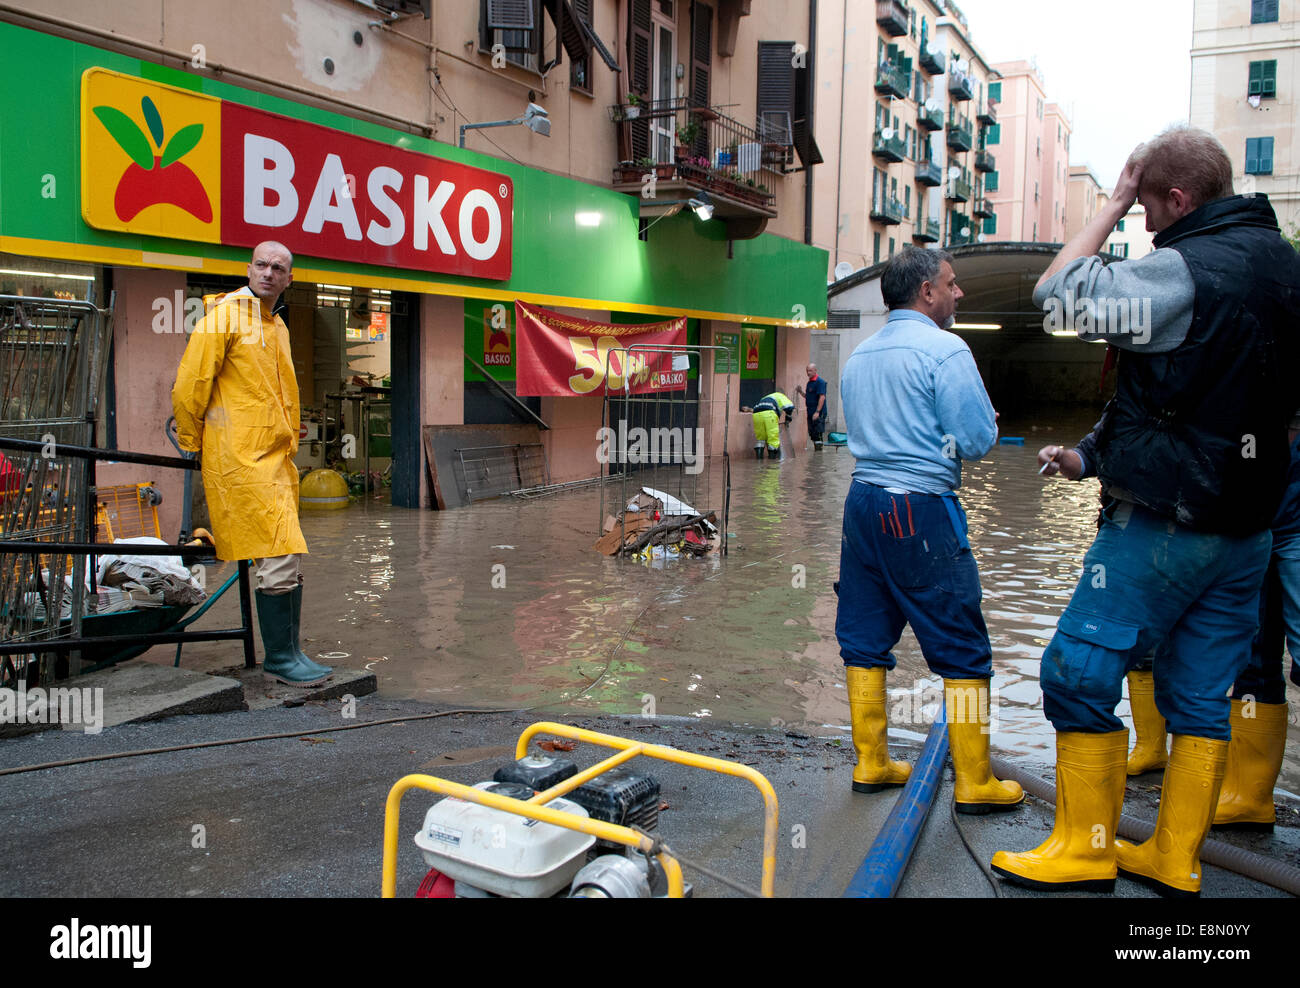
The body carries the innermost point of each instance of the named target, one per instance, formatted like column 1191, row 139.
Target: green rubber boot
column 295, row 598
column 275, row 620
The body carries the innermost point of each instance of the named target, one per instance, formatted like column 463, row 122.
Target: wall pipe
column 881, row 872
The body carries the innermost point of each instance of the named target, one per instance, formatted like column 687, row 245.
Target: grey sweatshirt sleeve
column 1143, row 305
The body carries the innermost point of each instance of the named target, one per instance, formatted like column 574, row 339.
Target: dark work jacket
column 1198, row 434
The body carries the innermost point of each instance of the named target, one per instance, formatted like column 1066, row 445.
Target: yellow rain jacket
column 236, row 403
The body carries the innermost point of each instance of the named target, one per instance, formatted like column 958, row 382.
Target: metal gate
column 665, row 440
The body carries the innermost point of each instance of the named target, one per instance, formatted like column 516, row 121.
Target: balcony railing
column 959, row 189
column 928, row 119
column 985, row 161
column 929, row 173
column 893, row 17
column 988, row 113
column 983, row 209
column 928, row 232
column 960, row 85
column 893, row 81
column 892, row 148
column 932, row 62
column 960, row 230
column 960, row 135
column 886, row 209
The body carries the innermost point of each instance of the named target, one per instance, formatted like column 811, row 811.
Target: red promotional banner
column 326, row 193
column 563, row 356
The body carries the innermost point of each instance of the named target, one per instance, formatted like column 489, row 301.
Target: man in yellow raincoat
column 236, row 403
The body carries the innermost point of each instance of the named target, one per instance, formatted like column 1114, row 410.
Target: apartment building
column 1245, row 74
column 1130, row 238
column 909, row 166
column 622, row 161
column 1083, row 199
column 1033, row 142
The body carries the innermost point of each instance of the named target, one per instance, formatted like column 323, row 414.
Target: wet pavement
column 505, row 604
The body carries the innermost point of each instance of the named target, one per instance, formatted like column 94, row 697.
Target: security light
column 703, row 206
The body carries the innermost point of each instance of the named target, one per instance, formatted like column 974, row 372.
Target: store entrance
column 341, row 338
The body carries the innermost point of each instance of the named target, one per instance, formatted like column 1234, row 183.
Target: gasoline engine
column 476, row 851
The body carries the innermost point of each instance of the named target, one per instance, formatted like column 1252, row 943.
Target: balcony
column 893, row 81
column 928, row 119
column 988, row 114
column 931, row 62
column 928, row 232
column 892, row 148
column 960, row 86
column 929, row 173
column 960, row 135
column 959, row 189
column 960, row 230
column 985, row 162
column 886, row 209
column 983, row 209
column 893, row 17
column 714, row 154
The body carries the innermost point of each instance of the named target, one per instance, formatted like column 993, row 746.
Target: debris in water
column 549, row 745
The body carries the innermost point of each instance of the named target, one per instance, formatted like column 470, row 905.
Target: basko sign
column 167, row 162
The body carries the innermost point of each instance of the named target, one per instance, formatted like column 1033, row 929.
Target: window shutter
column 1268, row 78
column 701, row 65
column 991, row 225
column 776, row 91
column 1266, row 156
column 1252, row 155
column 994, row 134
column 991, row 182
column 995, row 92
column 639, row 36
column 510, row 15
column 1256, row 82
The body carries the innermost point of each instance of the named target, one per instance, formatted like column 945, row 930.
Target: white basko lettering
column 259, row 152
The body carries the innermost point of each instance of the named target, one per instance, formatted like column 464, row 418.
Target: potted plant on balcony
column 687, row 134
column 627, row 171
column 634, row 104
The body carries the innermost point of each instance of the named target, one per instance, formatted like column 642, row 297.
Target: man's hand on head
column 1130, row 179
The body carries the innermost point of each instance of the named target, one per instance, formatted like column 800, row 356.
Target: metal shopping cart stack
column 52, row 356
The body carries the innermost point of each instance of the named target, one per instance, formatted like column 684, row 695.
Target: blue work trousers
column 904, row 559
column 1147, row 580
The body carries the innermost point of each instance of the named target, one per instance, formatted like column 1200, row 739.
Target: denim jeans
column 904, row 559
column 1279, row 626
column 1147, row 580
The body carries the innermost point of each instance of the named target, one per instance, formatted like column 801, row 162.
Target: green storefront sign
column 598, row 263
column 727, row 362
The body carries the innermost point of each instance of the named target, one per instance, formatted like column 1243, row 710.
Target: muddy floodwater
column 506, row 603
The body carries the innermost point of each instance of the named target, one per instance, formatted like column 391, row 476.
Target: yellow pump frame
column 536, row 809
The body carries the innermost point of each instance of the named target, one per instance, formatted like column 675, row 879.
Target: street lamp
column 535, row 118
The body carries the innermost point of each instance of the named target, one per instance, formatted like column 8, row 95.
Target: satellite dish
column 887, row 133
column 954, row 172
column 962, row 65
column 843, row 270
column 965, row 231
column 933, row 48
column 980, row 238
column 932, row 104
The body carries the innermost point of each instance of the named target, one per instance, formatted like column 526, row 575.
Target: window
column 991, row 182
column 995, row 92
column 1038, row 148
column 1263, row 11
column 1259, row 156
column 907, row 202
column 1035, row 238
column 991, row 225
column 516, row 25
column 1035, row 198
column 1119, row 227
column 580, row 68
column 1263, row 79
column 993, row 134
column 875, row 248
column 891, row 246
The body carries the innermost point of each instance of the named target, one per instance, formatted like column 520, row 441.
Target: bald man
column 236, row 403
column 815, row 397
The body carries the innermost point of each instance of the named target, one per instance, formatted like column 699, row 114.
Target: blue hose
column 881, row 871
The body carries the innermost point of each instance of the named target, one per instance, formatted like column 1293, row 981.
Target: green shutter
column 995, row 92
column 991, row 225
column 1268, row 79
column 1256, row 83
column 1252, row 155
column 1266, row 156
column 991, row 182
column 994, row 134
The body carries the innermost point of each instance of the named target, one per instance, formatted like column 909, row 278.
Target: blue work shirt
column 915, row 406
column 813, row 392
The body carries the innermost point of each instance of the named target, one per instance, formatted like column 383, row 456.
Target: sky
column 1121, row 69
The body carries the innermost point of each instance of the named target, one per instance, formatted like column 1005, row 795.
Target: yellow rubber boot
column 1080, row 853
column 1170, row 861
column 867, row 698
column 1149, row 751
column 977, row 791
column 1254, row 760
